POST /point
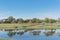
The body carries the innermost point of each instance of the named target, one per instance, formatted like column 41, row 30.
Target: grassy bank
column 4, row 39
column 31, row 26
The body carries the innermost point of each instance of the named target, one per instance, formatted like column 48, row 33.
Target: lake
column 42, row 34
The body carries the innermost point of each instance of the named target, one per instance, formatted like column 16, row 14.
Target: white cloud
column 4, row 14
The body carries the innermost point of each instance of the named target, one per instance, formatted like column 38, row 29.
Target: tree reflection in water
column 35, row 32
column 58, row 33
column 20, row 33
column 10, row 34
column 49, row 33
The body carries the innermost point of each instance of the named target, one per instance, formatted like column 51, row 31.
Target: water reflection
column 10, row 33
column 20, row 33
column 58, row 33
column 43, row 34
column 49, row 33
column 32, row 32
column 35, row 32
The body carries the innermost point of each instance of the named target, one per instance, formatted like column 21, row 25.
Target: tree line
column 11, row 19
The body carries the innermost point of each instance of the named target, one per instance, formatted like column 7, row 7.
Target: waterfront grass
column 31, row 26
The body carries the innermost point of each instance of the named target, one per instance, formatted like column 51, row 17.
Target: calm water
column 31, row 34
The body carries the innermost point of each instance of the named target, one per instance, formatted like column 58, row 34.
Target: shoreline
column 30, row 26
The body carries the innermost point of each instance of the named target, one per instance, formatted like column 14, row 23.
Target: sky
column 28, row 9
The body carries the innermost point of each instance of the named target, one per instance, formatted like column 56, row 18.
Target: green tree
column 46, row 20
column 20, row 20
column 30, row 21
column 14, row 21
column 34, row 20
column 58, row 20
column 38, row 21
column 10, row 19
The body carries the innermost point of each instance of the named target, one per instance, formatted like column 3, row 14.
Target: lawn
column 31, row 26
column 4, row 39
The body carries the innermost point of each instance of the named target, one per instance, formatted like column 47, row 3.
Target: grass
column 4, row 39
column 31, row 26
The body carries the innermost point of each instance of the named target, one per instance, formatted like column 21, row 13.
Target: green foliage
column 11, row 19
column 20, row 20
column 47, row 20
column 30, row 21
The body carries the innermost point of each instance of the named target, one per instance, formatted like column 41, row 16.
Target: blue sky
column 30, row 8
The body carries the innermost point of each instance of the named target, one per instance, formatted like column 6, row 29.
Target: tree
column 52, row 20
column 5, row 21
column 20, row 20
column 1, row 21
column 58, row 20
column 30, row 21
column 26, row 21
column 14, row 21
column 10, row 19
column 34, row 20
column 38, row 21
column 46, row 20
